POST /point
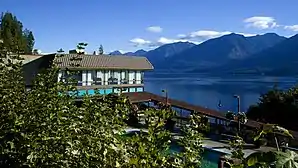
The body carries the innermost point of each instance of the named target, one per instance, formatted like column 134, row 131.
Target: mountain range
column 233, row 53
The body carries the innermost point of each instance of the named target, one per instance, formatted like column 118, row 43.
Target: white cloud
column 293, row 27
column 207, row 34
column 247, row 34
column 261, row 22
column 163, row 40
column 154, row 29
column 139, row 42
column 181, row 36
column 203, row 35
column 195, row 37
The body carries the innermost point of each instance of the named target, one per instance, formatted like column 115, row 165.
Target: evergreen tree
column 100, row 50
column 30, row 41
column 13, row 36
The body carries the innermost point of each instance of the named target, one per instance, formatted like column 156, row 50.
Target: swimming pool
column 209, row 160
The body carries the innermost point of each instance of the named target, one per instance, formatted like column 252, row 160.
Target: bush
column 45, row 128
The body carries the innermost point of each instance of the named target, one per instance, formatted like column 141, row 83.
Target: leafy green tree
column 152, row 148
column 271, row 104
column 44, row 127
column 273, row 129
column 277, row 159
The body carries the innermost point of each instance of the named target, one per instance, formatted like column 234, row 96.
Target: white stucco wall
column 131, row 77
column 84, row 78
column 138, row 77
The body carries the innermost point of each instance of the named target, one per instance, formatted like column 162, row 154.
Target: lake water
column 208, row 91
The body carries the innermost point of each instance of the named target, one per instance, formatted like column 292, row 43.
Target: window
column 142, row 77
column 98, row 79
column 113, row 80
column 72, row 77
column 132, row 77
column 78, row 77
column 138, row 77
column 124, row 77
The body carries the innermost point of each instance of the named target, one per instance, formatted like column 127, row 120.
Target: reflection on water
column 208, row 91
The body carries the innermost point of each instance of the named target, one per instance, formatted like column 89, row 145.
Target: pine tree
column 15, row 39
column 30, row 41
column 100, row 50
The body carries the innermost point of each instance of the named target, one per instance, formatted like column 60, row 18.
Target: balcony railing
column 109, row 82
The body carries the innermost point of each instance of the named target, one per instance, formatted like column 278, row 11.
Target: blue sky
column 125, row 24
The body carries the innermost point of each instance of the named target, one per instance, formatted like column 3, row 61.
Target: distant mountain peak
column 271, row 34
column 140, row 52
column 233, row 35
column 117, row 52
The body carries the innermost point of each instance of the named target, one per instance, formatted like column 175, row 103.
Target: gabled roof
column 24, row 58
column 73, row 61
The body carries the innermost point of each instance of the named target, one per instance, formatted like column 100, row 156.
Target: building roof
column 103, row 62
column 25, row 58
column 29, row 58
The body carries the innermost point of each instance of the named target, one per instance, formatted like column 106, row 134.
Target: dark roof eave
column 105, row 68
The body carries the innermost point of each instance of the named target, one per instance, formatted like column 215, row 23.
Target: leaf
column 259, row 135
column 279, row 129
column 260, row 157
column 287, row 159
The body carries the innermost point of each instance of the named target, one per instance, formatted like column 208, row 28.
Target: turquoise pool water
column 209, row 160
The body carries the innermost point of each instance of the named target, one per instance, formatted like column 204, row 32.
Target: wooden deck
column 146, row 97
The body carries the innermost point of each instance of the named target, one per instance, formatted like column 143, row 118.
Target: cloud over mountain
column 199, row 36
column 293, row 27
column 139, row 42
column 154, row 29
column 261, row 22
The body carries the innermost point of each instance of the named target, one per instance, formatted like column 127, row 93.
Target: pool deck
column 223, row 147
column 218, row 146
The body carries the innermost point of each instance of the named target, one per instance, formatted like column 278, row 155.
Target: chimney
column 77, row 51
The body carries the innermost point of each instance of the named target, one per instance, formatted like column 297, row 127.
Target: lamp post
column 238, row 108
column 166, row 92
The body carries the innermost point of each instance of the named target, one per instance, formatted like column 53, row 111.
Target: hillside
column 137, row 53
column 220, row 51
column 158, row 55
column 115, row 53
column 281, row 59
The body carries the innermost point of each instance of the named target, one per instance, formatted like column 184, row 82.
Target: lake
column 208, row 91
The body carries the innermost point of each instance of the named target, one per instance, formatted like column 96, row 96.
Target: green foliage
column 241, row 116
column 100, row 50
column 44, row 127
column 149, row 150
column 29, row 40
column 13, row 35
column 275, row 102
column 230, row 115
column 192, row 142
column 287, row 159
column 277, row 159
column 273, row 129
column 261, row 159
